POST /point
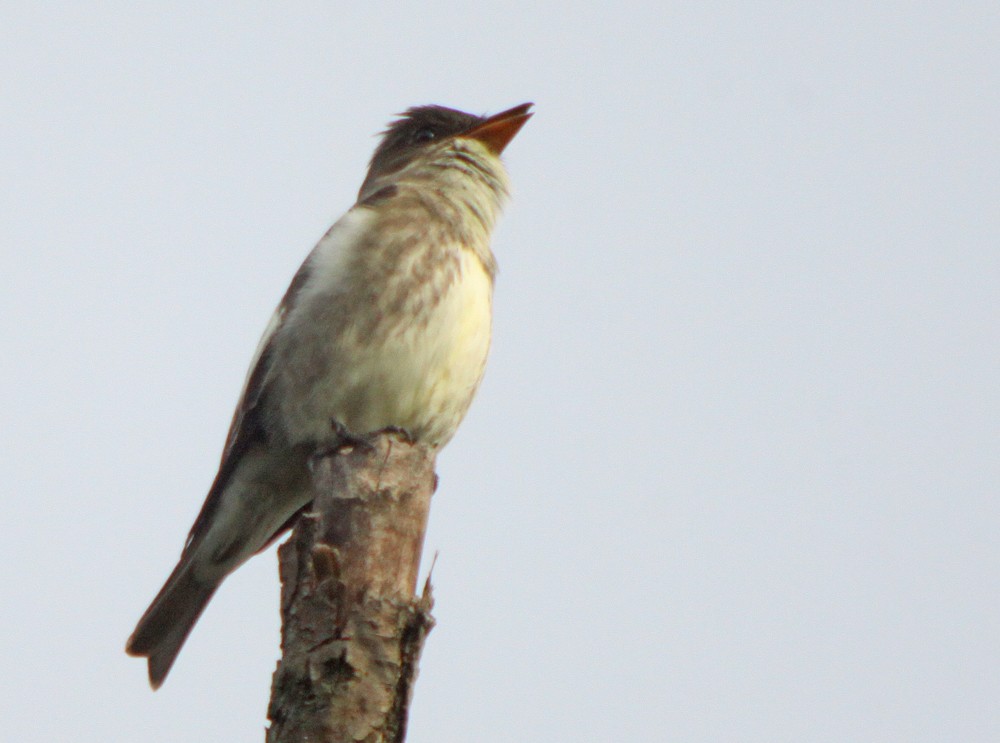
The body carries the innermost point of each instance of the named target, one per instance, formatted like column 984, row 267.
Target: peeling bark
column 352, row 627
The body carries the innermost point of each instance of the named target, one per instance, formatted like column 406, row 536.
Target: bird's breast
column 388, row 334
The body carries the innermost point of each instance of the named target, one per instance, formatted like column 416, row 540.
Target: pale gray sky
column 733, row 473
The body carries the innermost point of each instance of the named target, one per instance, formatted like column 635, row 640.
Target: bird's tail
column 167, row 622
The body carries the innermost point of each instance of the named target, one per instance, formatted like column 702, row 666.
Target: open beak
column 497, row 131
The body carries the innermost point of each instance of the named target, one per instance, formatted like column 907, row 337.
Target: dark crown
column 415, row 129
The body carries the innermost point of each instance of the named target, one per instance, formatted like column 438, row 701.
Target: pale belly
column 416, row 369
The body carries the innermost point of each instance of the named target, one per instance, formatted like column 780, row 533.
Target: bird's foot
column 347, row 439
column 343, row 441
column 404, row 434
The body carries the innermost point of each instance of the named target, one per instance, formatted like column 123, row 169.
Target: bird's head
column 425, row 131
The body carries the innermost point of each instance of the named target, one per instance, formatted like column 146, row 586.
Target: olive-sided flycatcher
column 386, row 324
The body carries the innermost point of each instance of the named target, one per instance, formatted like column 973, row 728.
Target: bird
column 387, row 324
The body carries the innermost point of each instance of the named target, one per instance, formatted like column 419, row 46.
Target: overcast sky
column 733, row 472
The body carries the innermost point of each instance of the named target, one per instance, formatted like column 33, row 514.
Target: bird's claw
column 346, row 438
column 401, row 432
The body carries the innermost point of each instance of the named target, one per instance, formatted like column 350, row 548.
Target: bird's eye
column 423, row 135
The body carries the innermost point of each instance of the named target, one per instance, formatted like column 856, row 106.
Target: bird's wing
column 247, row 429
column 246, row 419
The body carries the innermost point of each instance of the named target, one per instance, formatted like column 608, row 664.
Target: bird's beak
column 497, row 131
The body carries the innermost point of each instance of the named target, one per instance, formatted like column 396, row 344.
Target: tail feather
column 167, row 622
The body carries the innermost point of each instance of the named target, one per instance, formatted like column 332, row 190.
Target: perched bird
column 386, row 324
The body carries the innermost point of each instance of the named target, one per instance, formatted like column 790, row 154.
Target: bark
column 352, row 627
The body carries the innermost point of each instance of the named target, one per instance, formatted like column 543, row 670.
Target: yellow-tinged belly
column 415, row 364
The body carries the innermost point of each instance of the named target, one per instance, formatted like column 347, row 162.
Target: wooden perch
column 352, row 627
